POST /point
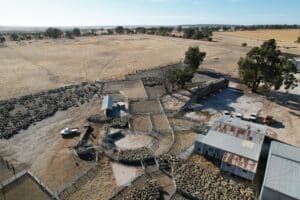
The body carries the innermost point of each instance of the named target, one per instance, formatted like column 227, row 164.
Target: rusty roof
column 239, row 161
column 236, row 136
column 240, row 129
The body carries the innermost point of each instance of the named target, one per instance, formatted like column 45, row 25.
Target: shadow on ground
column 291, row 101
column 220, row 101
column 288, row 100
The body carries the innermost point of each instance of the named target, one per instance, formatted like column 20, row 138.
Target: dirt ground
column 160, row 123
column 134, row 142
column 174, row 102
column 183, row 140
column 124, row 175
column 101, row 186
column 182, row 124
column 145, row 107
column 141, row 123
column 53, row 63
column 21, row 191
column 129, row 89
column 43, row 150
column 155, row 91
column 204, row 163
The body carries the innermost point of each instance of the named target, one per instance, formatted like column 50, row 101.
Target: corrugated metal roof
column 283, row 170
column 231, row 144
column 240, row 162
column 238, row 123
column 248, row 146
column 107, row 103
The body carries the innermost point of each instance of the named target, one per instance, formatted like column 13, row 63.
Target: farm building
column 107, row 105
column 296, row 61
column 236, row 143
column 117, row 110
column 282, row 175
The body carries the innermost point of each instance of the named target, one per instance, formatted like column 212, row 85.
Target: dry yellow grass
column 39, row 65
column 290, row 35
column 30, row 67
column 285, row 38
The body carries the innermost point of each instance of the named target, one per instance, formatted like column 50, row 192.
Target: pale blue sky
column 147, row 12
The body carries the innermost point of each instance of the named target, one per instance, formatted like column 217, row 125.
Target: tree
column 193, row 57
column 76, row 32
column 53, row 33
column 188, row 32
column 128, row 31
column 268, row 66
column 2, row 39
column 69, row 35
column 119, row 30
column 94, row 32
column 184, row 76
column 180, row 77
column 298, row 40
column 14, row 37
column 179, row 28
column 175, row 78
column 141, row 30
column 110, row 32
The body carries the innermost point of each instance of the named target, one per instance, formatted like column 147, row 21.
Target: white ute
column 69, row 132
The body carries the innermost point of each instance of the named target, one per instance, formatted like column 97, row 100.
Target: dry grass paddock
column 33, row 66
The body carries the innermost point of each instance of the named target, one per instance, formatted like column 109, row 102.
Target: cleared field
column 285, row 38
column 280, row 35
column 30, row 67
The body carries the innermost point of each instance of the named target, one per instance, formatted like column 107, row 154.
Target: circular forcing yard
column 134, row 142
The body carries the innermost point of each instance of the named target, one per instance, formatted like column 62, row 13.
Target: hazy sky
column 147, row 12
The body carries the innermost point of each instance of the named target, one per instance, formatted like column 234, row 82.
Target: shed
column 282, row 175
column 107, row 103
column 296, row 61
column 236, row 143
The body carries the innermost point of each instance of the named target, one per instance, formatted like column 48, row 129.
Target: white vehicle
column 226, row 113
column 69, row 132
column 239, row 115
column 253, row 116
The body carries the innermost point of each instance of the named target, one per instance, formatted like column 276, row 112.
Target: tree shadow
column 285, row 99
column 220, row 101
column 214, row 74
column 277, row 124
column 295, row 114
